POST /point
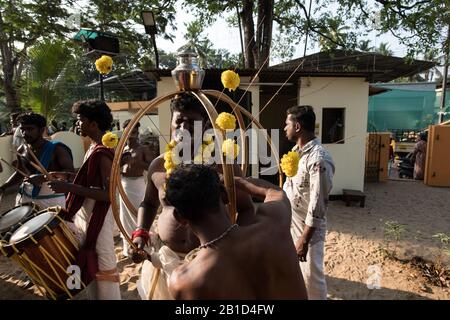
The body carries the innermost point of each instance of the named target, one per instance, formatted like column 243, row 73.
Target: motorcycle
column 406, row 167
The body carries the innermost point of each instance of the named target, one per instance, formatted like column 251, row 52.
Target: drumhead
column 31, row 227
column 14, row 216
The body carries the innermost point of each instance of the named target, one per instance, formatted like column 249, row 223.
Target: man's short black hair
column 194, row 190
column 33, row 119
column 305, row 116
column 127, row 122
column 186, row 101
column 14, row 116
column 95, row 110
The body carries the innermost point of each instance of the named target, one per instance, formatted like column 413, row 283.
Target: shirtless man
column 257, row 261
column 180, row 240
column 54, row 156
column 135, row 160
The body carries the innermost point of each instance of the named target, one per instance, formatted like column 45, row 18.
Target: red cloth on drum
column 88, row 176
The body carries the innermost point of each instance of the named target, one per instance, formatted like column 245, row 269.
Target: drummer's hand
column 58, row 186
column 36, row 179
column 138, row 255
column 54, row 175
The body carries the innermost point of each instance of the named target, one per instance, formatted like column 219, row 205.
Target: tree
column 420, row 25
column 44, row 69
column 432, row 55
column 383, row 48
column 334, row 35
column 292, row 17
column 121, row 18
column 22, row 24
column 257, row 40
column 364, row 45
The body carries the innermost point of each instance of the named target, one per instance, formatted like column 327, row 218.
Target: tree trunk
column 8, row 65
column 264, row 32
column 249, row 33
column 12, row 94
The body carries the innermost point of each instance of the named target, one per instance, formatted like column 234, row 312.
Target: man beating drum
column 36, row 156
column 88, row 204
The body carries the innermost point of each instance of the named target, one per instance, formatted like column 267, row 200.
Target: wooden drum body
column 46, row 249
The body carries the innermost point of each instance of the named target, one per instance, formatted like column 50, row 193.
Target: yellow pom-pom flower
column 104, row 64
column 110, row 140
column 226, row 121
column 289, row 163
column 230, row 79
column 230, row 149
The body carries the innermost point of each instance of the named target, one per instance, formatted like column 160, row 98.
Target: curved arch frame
column 228, row 171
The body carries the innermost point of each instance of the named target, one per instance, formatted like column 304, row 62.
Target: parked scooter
column 406, row 167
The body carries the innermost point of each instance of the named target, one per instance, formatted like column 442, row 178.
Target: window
column 333, row 125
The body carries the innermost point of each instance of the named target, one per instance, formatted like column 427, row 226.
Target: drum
column 14, row 218
column 46, row 249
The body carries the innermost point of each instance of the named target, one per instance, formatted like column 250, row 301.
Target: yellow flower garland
column 202, row 156
column 230, row 149
column 110, row 140
column 289, row 163
column 230, row 80
column 104, row 64
column 226, row 121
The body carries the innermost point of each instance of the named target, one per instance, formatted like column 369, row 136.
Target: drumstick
column 34, row 165
column 38, row 168
column 43, row 170
column 20, row 172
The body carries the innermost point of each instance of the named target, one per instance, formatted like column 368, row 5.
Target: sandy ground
column 352, row 248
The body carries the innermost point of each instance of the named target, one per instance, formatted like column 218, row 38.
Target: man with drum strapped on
column 173, row 240
column 88, row 204
column 35, row 156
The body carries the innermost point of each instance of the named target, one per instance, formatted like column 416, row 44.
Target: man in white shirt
column 308, row 193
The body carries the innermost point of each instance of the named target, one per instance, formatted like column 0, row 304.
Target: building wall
column 351, row 94
column 148, row 122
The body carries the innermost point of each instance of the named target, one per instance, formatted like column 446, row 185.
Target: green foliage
column 383, row 48
column 444, row 240
column 393, row 232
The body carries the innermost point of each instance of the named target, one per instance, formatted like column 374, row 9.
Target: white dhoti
column 153, row 285
column 313, row 268
column 106, row 285
column 135, row 190
column 45, row 199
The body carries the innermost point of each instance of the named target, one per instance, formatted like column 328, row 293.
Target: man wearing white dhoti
column 308, row 193
column 135, row 161
column 88, row 204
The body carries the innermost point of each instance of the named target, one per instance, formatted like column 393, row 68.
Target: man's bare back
column 257, row 261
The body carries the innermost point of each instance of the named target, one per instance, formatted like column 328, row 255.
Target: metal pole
column 444, row 78
column 156, row 51
column 102, row 93
column 240, row 35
